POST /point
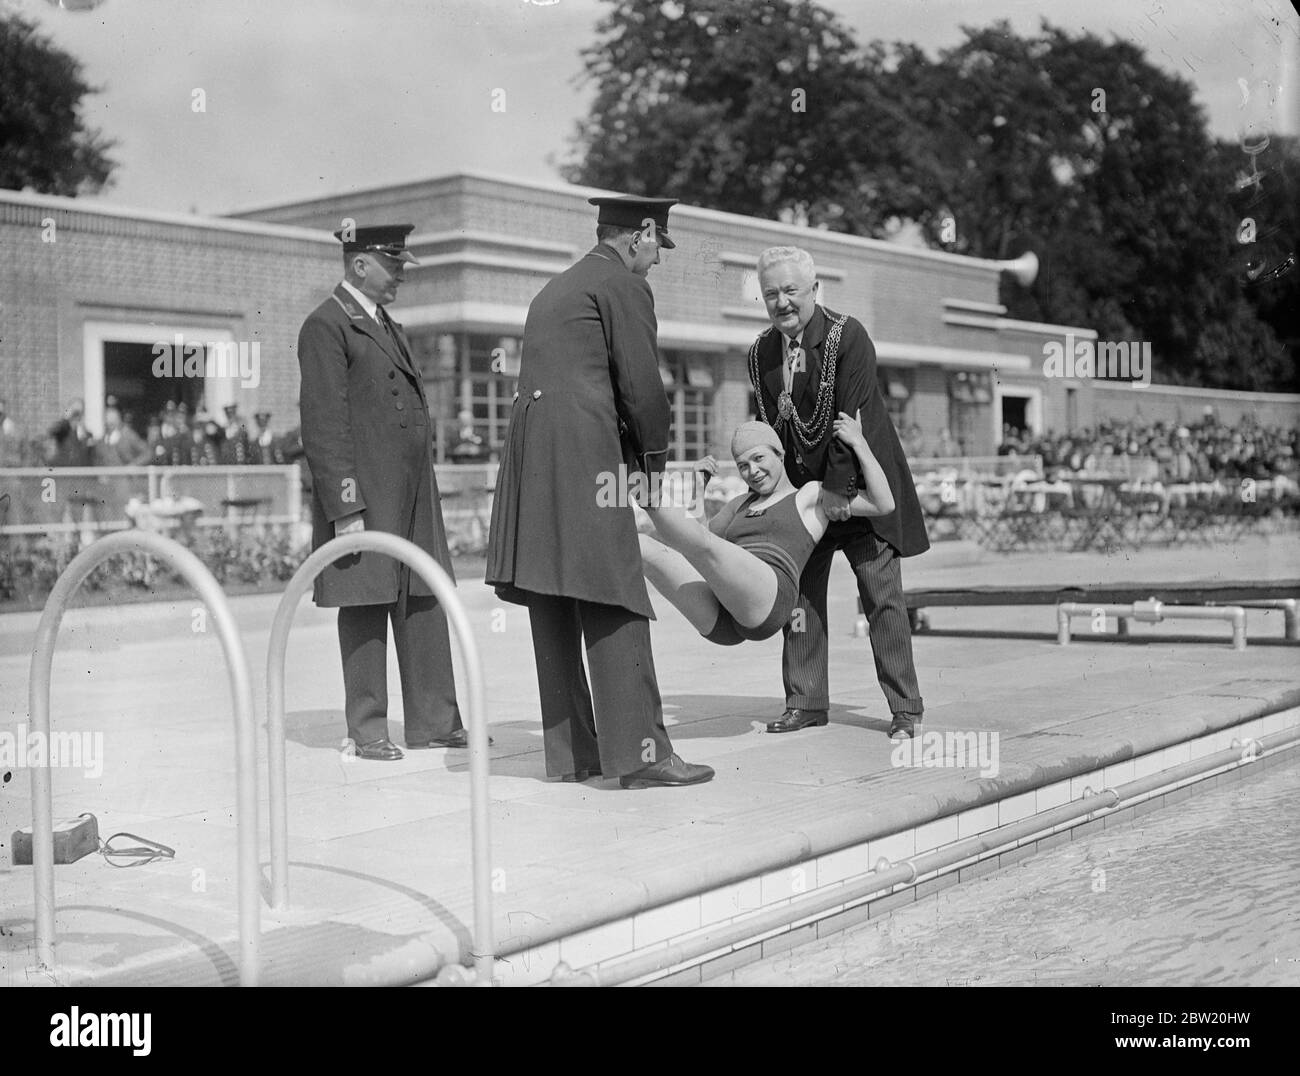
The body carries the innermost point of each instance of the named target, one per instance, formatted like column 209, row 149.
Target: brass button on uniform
column 392, row 374
column 395, row 392
column 399, row 405
column 537, row 394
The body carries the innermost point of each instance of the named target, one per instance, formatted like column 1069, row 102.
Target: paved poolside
column 380, row 851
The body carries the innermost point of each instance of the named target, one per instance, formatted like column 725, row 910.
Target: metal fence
column 95, row 500
column 972, row 466
column 956, row 494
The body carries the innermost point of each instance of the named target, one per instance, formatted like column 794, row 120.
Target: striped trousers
column 876, row 564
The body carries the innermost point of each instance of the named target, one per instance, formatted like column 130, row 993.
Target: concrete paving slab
column 380, row 852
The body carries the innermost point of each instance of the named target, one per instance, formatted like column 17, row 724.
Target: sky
column 303, row 98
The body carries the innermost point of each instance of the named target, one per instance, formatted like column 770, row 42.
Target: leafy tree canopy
column 44, row 144
column 1077, row 148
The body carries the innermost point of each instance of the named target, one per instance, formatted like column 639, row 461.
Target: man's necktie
column 792, row 355
column 386, row 323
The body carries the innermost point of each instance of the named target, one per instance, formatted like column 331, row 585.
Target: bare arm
column 876, row 499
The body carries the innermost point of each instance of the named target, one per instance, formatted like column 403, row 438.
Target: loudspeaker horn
column 1023, row 268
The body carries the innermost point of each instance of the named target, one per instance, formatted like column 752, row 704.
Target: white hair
column 775, row 255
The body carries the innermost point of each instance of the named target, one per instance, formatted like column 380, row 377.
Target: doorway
column 128, row 375
column 1017, row 414
column 118, row 358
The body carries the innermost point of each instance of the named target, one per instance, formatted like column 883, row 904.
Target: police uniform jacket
column 234, row 449
column 590, row 409
column 270, row 453
column 369, row 447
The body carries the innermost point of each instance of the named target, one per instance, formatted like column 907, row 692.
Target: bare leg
column 741, row 582
column 671, row 575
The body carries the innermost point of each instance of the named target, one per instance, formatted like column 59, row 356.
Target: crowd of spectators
column 917, row 446
column 1207, row 451
column 174, row 437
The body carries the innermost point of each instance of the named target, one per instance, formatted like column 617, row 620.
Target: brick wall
column 257, row 281
column 257, row 285
column 897, row 293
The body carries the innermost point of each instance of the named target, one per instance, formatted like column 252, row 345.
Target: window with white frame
column 470, row 379
column 690, row 380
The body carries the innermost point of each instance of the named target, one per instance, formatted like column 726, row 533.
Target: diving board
column 1148, row 602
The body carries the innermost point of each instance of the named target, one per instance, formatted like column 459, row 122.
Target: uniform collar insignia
column 348, row 302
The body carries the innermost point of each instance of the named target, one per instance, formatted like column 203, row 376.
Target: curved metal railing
column 241, row 688
column 445, row 591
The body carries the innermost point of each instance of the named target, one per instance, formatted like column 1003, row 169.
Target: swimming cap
column 752, row 434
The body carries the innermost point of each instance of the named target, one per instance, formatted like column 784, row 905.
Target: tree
column 1264, row 195
column 44, row 143
column 1077, row 148
column 687, row 104
column 1101, row 162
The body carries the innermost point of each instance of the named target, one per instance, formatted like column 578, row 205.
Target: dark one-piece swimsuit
column 776, row 535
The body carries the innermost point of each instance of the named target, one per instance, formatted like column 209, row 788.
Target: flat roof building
column 96, row 299
column 487, row 244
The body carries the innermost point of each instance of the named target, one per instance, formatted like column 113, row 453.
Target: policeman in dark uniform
column 590, row 401
column 368, row 442
column 234, row 444
column 264, row 447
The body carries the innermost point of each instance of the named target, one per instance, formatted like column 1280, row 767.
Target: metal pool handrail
column 445, row 591
column 241, row 688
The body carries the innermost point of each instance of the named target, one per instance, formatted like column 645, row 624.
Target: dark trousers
column 423, row 660
column 876, row 565
column 616, row 723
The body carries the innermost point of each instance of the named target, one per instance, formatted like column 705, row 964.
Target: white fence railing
column 91, row 501
column 54, row 500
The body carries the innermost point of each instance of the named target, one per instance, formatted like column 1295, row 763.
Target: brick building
column 88, row 292
column 486, row 246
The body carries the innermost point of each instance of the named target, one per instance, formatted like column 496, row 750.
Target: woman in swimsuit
column 738, row 578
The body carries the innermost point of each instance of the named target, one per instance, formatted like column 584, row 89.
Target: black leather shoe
column 578, row 776
column 672, row 771
column 902, row 728
column 794, row 720
column 459, row 738
column 379, row 751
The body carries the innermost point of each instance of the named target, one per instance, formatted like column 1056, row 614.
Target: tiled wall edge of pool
column 680, row 920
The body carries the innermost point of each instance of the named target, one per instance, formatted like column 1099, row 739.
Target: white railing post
column 241, row 687
column 444, row 590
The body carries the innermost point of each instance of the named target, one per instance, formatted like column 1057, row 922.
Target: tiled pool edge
column 679, row 920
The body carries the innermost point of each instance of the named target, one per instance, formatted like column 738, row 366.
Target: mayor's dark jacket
column 590, row 399
column 832, row 462
column 369, row 446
